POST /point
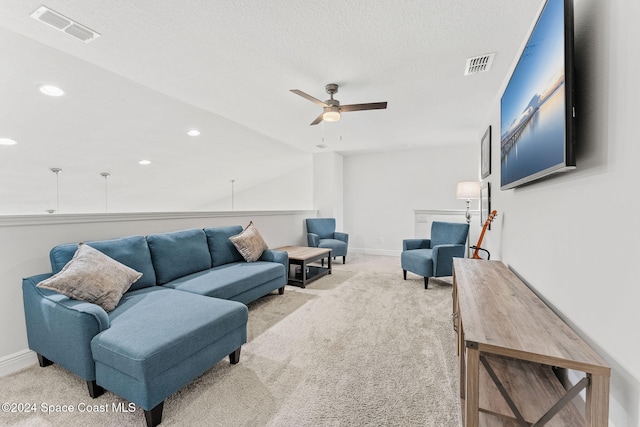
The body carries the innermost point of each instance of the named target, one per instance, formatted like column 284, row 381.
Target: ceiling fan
column 332, row 108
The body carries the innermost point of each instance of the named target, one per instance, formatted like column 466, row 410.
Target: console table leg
column 597, row 401
column 472, row 388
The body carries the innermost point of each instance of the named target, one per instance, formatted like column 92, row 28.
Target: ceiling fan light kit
column 331, row 108
column 331, row 114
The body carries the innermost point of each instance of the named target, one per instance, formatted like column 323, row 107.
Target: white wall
column 573, row 238
column 382, row 190
column 328, row 186
column 26, row 241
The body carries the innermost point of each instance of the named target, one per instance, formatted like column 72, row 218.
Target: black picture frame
column 485, row 203
column 485, row 153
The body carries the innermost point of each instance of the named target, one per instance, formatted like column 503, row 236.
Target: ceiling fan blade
column 309, row 97
column 360, row 107
column 317, row 120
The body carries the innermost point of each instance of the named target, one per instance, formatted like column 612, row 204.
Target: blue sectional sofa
column 184, row 314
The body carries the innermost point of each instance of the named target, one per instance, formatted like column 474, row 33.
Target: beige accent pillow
column 93, row 277
column 249, row 243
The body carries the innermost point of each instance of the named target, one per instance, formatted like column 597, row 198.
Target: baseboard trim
column 17, row 361
column 369, row 251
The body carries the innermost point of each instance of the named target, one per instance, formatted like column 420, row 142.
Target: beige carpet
column 360, row 347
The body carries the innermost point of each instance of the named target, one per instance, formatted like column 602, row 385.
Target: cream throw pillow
column 249, row 243
column 93, row 277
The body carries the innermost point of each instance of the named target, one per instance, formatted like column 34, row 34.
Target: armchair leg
column 426, row 283
column 344, row 259
column 404, row 274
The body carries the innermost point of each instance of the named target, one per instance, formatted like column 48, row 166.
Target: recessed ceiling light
column 7, row 141
column 51, row 90
column 193, row 132
column 144, row 162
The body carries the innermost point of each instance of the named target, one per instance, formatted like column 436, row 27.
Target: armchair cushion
column 323, row 227
column 338, row 247
column 92, row 276
column 448, row 232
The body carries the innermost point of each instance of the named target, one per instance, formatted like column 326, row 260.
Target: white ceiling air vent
column 479, row 64
column 62, row 23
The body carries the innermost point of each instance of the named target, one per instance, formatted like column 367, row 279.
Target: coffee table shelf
column 303, row 256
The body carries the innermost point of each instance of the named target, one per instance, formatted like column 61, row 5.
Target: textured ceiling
column 162, row 67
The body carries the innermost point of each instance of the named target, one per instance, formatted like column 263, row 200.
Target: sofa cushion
column 93, row 277
column 154, row 329
column 222, row 249
column 229, row 280
column 178, row 253
column 131, row 251
column 249, row 243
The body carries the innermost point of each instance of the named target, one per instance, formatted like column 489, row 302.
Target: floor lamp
column 468, row 190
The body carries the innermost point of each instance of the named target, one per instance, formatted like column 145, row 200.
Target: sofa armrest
column 61, row 328
column 273, row 255
column 443, row 258
column 313, row 240
column 408, row 244
column 341, row 236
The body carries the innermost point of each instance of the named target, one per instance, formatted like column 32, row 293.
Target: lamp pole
column 467, row 190
column 106, row 198
column 57, row 172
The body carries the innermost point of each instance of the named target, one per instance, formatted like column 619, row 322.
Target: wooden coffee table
column 303, row 256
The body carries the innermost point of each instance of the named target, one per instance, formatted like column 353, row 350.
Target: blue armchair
column 321, row 233
column 434, row 257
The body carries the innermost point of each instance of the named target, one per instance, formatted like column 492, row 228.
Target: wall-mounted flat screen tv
column 537, row 109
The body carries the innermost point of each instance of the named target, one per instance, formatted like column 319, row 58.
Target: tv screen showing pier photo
column 536, row 135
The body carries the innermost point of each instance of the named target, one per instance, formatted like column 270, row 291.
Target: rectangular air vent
column 62, row 23
column 479, row 64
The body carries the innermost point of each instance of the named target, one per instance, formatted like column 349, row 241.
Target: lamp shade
column 468, row 190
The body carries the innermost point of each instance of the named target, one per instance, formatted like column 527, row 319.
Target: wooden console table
column 510, row 345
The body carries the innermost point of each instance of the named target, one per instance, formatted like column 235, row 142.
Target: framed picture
column 485, row 153
column 485, row 203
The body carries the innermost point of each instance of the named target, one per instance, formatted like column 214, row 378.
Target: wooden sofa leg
column 94, row 389
column 235, row 356
column 43, row 361
column 404, row 274
column 344, row 259
column 426, row 283
column 281, row 290
column 154, row 416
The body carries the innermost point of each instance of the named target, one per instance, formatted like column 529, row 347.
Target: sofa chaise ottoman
column 184, row 313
